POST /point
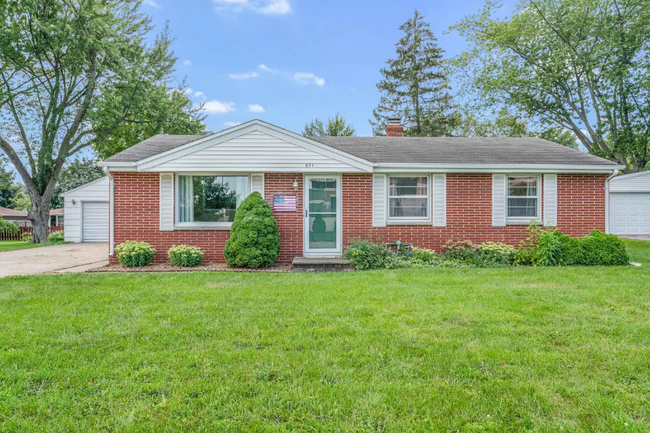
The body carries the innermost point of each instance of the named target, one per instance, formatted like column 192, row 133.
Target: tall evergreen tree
column 415, row 85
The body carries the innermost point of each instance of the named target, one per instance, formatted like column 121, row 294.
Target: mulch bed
column 206, row 267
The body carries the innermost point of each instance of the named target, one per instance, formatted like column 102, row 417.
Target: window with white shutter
column 498, row 200
column 379, row 203
column 550, row 200
column 439, row 200
column 166, row 201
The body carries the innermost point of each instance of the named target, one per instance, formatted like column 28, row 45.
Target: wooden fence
column 4, row 236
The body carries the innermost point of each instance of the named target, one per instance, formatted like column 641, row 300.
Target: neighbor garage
column 629, row 204
column 87, row 214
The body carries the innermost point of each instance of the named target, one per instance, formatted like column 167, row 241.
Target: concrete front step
column 322, row 264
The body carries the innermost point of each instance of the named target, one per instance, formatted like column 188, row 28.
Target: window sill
column 408, row 223
column 204, row 227
column 522, row 222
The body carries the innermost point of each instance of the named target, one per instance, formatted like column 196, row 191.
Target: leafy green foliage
column 57, row 236
column 365, row 254
column 415, row 86
column 21, row 202
column 8, row 227
column 492, row 255
column 76, row 75
column 335, row 127
column 8, row 188
column 509, row 125
column 550, row 247
column 185, row 255
column 79, row 172
column 425, row 255
column 135, row 254
column 254, row 238
column 27, row 237
column 575, row 65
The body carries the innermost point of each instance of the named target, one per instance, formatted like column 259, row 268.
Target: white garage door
column 94, row 224
column 630, row 213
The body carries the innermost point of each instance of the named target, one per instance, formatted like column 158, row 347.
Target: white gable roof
column 254, row 146
column 636, row 182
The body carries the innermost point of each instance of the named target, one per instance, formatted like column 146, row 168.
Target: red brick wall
column 581, row 208
column 137, row 218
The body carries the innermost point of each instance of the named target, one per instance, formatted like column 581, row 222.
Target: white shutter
column 166, row 201
column 550, row 200
column 257, row 183
column 379, row 197
column 439, row 200
column 499, row 200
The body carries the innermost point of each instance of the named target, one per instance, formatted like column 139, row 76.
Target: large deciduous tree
column 574, row 64
column 415, row 85
column 335, row 127
column 74, row 74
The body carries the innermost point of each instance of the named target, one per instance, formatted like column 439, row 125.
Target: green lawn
column 20, row 245
column 538, row 349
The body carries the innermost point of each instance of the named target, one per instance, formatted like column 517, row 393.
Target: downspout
column 607, row 199
column 111, row 211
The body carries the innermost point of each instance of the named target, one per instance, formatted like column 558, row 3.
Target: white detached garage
column 87, row 214
column 629, row 204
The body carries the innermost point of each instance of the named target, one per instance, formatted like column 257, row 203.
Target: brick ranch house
column 325, row 191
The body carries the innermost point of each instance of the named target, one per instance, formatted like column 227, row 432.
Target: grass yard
column 540, row 349
column 20, row 245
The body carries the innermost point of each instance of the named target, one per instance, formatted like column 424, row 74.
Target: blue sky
column 288, row 61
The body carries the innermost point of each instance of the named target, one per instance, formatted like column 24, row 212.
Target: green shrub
column 600, row 249
column 57, row 236
column 366, row 254
column 26, row 237
column 8, row 227
column 400, row 261
column 135, row 254
column 425, row 255
column 185, row 256
column 254, row 238
column 554, row 248
column 492, row 255
column 458, row 249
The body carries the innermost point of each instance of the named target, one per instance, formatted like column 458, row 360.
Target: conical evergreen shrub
column 254, row 238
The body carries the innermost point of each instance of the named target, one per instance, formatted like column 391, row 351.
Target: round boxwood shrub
column 185, row 256
column 135, row 254
column 254, row 238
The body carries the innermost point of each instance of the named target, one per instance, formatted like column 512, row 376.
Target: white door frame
column 330, row 252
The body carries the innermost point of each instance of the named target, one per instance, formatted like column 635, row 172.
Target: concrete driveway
column 55, row 258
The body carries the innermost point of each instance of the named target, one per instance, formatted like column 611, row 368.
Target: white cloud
column 243, row 75
column 256, row 108
column 187, row 63
column 151, row 3
column 266, row 68
column 266, row 7
column 276, row 7
column 218, row 107
column 308, row 77
column 199, row 94
column 231, row 124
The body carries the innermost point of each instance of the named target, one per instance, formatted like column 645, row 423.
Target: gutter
column 111, row 211
column 607, row 230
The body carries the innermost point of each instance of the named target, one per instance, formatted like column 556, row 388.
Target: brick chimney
column 394, row 127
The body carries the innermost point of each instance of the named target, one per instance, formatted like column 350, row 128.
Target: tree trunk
column 40, row 217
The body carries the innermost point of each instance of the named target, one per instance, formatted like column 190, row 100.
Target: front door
column 322, row 215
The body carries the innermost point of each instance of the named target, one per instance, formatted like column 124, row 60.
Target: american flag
column 284, row 203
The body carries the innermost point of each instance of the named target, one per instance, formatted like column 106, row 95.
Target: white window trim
column 408, row 220
column 524, row 220
column 201, row 225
